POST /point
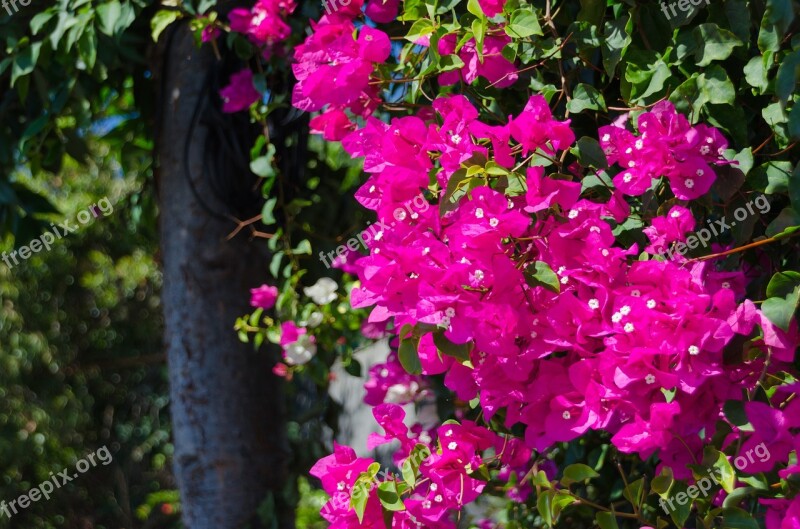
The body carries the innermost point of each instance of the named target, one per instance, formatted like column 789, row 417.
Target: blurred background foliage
column 82, row 364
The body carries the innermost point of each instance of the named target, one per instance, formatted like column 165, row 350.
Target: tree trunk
column 226, row 405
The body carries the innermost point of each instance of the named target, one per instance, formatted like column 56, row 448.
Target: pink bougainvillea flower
column 535, row 128
column 492, row 8
column 382, row 11
column 667, row 145
column 263, row 296
column 663, row 231
column 332, row 124
column 265, row 22
column 495, row 68
column 240, row 92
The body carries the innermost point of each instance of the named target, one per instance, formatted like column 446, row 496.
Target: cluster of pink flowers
column 451, row 454
column 333, row 57
column 265, row 23
column 490, row 65
column 611, row 342
column 666, row 146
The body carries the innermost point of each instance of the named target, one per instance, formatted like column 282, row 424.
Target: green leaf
column 634, row 492
column 542, row 276
column 589, row 153
column 715, row 86
column 275, row 264
column 479, row 30
column 586, row 97
column 523, row 23
column 560, row 501
column 25, row 61
column 713, row 43
column 544, row 504
column 87, row 48
column 592, row 11
column 783, row 283
column 738, row 495
column 734, row 412
column 661, row 483
column 780, row 310
column 107, row 16
column 475, row 8
column 446, row 347
column 732, row 518
column 540, row 480
column 268, row 211
column 38, row 21
column 419, row 29
column 606, row 520
column 161, row 20
column 389, row 497
column 755, row 73
column 409, row 356
column 577, row 473
column 616, row 39
column 778, row 16
column 786, row 223
column 788, row 76
column 681, row 512
column 716, row 460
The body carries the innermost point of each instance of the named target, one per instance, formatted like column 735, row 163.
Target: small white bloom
column 675, row 214
column 493, row 223
column 323, row 291
column 627, row 177
column 694, row 350
column 689, row 183
column 479, row 213
column 650, row 379
column 401, row 393
column 639, row 144
column 452, row 446
column 628, row 327
column 625, row 310
column 594, row 304
column 636, row 293
column 300, row 352
column 651, row 303
column 606, row 137
column 572, row 213
column 700, row 172
column 616, row 317
column 314, row 319
column 566, row 415
column 450, row 312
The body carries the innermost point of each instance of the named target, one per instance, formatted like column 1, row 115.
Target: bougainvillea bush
column 582, row 249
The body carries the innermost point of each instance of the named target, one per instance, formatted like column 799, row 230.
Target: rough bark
column 227, row 415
